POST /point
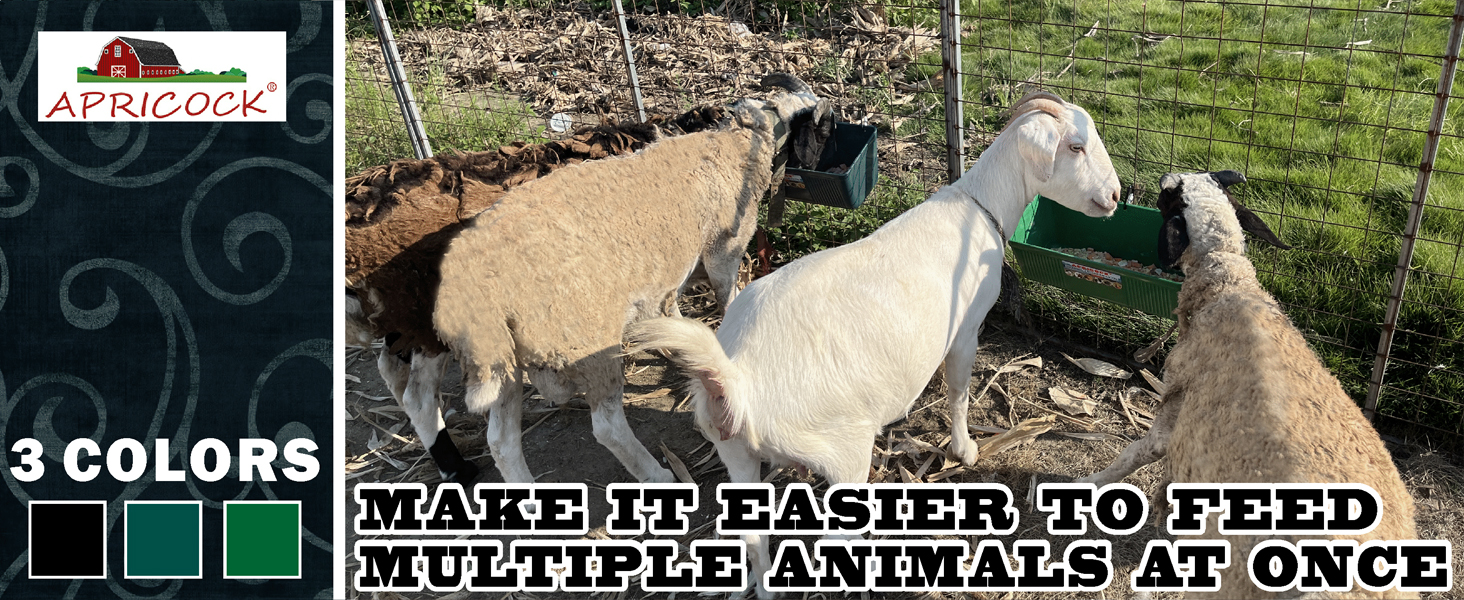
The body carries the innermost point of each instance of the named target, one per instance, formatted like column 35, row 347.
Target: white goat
column 1247, row 399
column 814, row 360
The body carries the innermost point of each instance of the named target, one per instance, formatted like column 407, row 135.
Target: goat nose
column 1115, row 197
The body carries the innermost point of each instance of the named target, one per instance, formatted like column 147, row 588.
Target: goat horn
column 787, row 81
column 1040, row 95
column 1040, row 100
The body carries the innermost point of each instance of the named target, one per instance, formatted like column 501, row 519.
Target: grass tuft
column 454, row 122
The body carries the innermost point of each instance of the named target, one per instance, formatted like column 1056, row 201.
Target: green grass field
column 1323, row 107
column 84, row 78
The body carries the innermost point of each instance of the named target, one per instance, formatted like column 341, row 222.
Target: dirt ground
column 559, row 446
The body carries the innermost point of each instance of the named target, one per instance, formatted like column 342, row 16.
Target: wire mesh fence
column 529, row 70
column 1326, row 106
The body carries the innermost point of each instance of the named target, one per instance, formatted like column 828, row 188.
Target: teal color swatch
column 163, row 540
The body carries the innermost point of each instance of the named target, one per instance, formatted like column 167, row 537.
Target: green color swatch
column 163, row 540
column 262, row 539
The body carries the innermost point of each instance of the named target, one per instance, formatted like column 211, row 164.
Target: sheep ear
column 712, row 381
column 1038, row 144
column 1227, row 178
column 1252, row 223
column 1173, row 240
column 1169, row 181
column 749, row 114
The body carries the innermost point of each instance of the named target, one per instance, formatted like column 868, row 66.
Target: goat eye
column 1076, row 148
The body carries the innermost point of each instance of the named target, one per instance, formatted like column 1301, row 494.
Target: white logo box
column 260, row 54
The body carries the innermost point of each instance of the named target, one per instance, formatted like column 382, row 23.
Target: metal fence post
column 399, row 85
column 630, row 61
column 1415, row 211
column 950, row 68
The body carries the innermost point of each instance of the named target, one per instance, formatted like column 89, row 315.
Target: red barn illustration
column 131, row 57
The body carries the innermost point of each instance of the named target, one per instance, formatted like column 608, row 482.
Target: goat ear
column 1173, row 239
column 1038, row 144
column 1250, row 222
column 809, row 140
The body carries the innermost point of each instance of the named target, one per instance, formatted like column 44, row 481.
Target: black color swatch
column 67, row 540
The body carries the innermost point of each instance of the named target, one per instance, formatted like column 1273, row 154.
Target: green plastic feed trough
column 852, row 145
column 1131, row 233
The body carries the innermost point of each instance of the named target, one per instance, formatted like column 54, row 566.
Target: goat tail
column 714, row 377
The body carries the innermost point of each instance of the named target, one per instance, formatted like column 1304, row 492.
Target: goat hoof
column 450, row 463
column 663, row 476
column 967, row 453
column 465, row 475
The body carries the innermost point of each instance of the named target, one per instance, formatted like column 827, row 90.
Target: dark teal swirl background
column 166, row 280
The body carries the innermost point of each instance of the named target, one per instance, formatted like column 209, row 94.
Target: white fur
column 818, row 357
column 413, row 382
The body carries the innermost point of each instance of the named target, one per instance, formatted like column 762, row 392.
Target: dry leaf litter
column 570, row 64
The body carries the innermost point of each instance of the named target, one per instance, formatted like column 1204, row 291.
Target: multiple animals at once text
column 534, row 264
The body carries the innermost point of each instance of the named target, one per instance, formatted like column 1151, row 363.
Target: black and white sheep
column 1247, row 401
column 399, row 219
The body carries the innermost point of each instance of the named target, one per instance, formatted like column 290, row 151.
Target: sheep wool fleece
column 1258, row 406
column 548, row 277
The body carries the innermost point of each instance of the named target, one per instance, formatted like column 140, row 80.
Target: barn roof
column 152, row 53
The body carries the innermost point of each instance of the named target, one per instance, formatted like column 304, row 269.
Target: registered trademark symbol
column 273, row 87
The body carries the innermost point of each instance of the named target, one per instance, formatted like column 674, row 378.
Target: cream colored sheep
column 546, row 280
column 399, row 220
column 401, row 217
column 1247, row 400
